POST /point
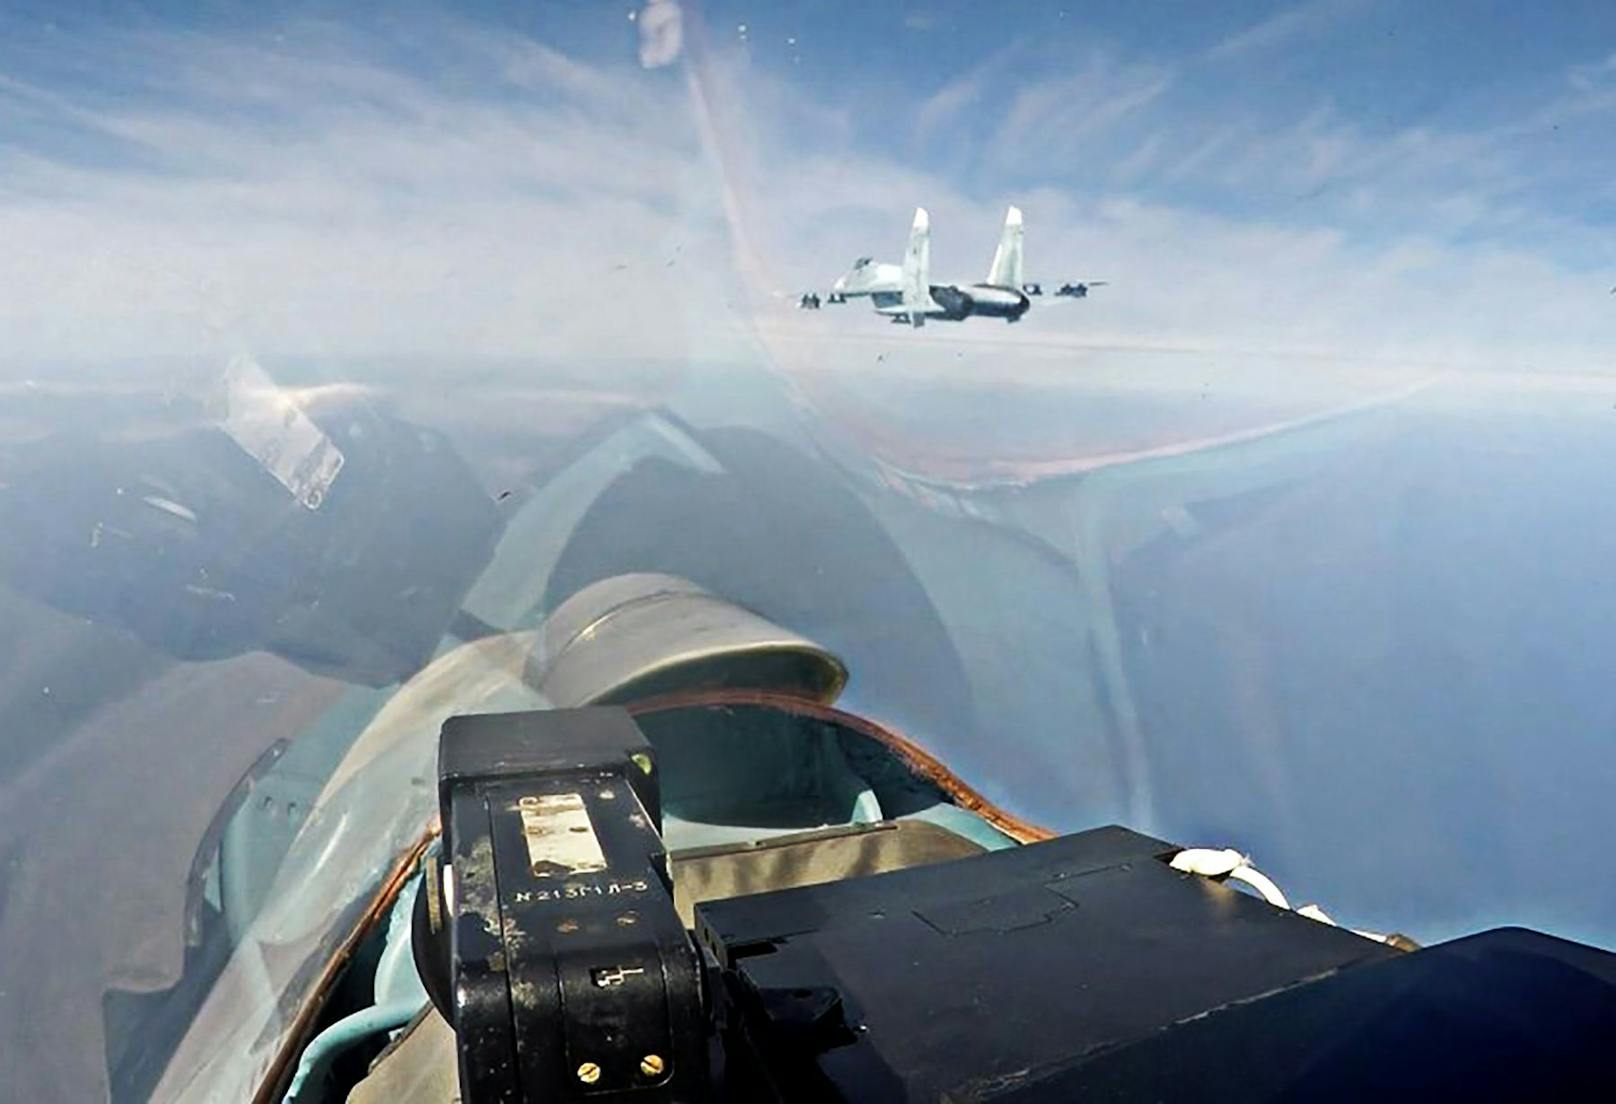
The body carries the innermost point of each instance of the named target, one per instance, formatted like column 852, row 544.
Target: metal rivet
column 627, row 919
column 652, row 1065
column 567, row 927
column 607, row 795
column 589, row 1073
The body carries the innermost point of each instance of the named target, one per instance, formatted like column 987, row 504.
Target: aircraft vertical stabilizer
column 1006, row 269
column 917, row 270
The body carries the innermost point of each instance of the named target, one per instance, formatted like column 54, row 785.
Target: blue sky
column 1417, row 181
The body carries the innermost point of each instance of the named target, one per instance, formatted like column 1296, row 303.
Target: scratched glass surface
column 1250, row 487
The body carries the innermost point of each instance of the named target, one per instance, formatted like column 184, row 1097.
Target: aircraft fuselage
column 979, row 301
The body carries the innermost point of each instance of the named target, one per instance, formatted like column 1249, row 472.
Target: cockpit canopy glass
column 341, row 349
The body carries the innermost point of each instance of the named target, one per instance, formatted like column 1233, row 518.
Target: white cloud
column 330, row 201
column 948, row 102
column 945, row 107
column 1146, row 155
column 1594, row 80
column 1284, row 28
column 517, row 201
column 1053, row 121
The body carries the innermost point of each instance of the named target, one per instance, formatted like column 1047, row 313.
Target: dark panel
column 973, row 973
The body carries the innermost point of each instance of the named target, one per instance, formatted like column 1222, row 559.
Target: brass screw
column 589, row 1073
column 652, row 1065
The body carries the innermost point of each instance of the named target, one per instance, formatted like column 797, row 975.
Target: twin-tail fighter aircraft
column 904, row 292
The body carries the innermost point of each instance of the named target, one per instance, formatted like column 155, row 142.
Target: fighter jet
column 904, row 292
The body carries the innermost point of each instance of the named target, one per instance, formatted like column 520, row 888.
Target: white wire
column 1208, row 862
column 1262, row 883
column 1213, row 862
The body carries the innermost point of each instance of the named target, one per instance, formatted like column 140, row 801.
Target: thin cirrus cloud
column 492, row 194
column 331, row 198
column 1284, row 28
